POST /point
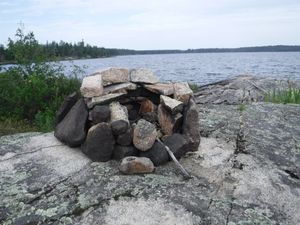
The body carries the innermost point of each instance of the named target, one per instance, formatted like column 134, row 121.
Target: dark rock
column 121, row 152
column 65, row 107
column 136, row 165
column 157, row 154
column 119, row 127
column 99, row 143
column 177, row 144
column 100, row 113
column 126, row 138
column 144, row 135
column 150, row 117
column 191, row 125
column 71, row 130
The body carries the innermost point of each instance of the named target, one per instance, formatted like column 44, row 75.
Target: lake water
column 204, row 68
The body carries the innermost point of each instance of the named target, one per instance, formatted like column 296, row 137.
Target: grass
column 14, row 125
column 194, row 87
column 290, row 95
column 241, row 108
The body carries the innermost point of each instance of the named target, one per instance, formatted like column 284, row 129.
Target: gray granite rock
column 43, row 181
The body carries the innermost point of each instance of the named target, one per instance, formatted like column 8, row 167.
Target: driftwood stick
column 185, row 173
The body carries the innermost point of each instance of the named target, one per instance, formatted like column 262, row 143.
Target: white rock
column 114, row 75
column 143, row 76
column 91, row 86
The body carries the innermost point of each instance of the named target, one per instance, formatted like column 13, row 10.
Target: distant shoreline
column 276, row 48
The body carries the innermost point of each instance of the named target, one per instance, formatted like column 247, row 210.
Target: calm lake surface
column 203, row 68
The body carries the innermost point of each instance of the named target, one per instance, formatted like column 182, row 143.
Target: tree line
column 67, row 50
column 63, row 50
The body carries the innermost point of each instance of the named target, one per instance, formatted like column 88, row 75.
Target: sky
column 155, row 24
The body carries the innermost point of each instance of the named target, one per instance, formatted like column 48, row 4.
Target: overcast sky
column 156, row 24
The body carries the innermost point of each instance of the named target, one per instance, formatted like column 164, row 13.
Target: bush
column 33, row 89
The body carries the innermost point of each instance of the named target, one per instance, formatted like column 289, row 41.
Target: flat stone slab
column 120, row 88
column 103, row 99
column 143, row 76
column 161, row 88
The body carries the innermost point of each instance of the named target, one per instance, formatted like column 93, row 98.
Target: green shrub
column 34, row 89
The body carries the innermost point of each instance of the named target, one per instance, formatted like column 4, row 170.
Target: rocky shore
column 246, row 171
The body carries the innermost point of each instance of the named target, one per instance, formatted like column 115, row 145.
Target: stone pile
column 121, row 113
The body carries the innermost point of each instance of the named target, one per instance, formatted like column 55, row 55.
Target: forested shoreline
column 66, row 50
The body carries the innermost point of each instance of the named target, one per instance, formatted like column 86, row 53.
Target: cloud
column 157, row 24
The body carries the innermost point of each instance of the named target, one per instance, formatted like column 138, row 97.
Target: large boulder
column 136, row 165
column 99, row 143
column 91, row 86
column 71, row 130
column 144, row 135
column 157, row 154
column 65, row 107
column 177, row 144
column 191, row 125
